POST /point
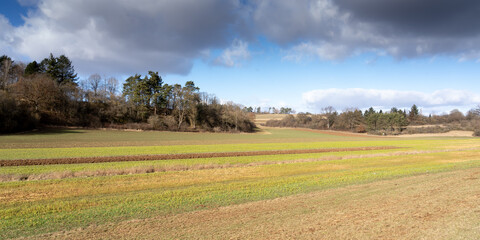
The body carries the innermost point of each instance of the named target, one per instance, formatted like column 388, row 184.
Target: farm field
column 263, row 118
column 277, row 183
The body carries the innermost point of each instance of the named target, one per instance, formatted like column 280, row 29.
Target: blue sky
column 305, row 54
column 13, row 11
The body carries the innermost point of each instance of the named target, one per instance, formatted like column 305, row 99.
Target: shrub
column 476, row 133
column 170, row 123
column 434, row 129
column 155, row 122
column 14, row 116
column 361, row 129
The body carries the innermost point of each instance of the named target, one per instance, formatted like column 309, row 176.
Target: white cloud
column 6, row 29
column 385, row 99
column 125, row 37
column 236, row 52
column 7, row 38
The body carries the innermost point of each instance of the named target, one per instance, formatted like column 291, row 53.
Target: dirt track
column 51, row 161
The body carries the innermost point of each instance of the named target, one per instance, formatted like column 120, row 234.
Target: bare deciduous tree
column 94, row 82
column 330, row 114
column 111, row 86
column 5, row 69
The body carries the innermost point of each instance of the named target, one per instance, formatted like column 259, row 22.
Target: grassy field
column 64, row 138
column 98, row 200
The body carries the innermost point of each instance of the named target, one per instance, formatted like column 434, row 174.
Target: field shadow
column 48, row 131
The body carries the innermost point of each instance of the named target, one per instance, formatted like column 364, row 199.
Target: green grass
column 108, row 138
column 39, row 153
column 43, row 206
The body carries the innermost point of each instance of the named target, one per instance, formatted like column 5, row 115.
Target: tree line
column 49, row 92
column 269, row 110
column 394, row 121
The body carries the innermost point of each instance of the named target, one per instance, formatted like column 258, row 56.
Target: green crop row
column 179, row 163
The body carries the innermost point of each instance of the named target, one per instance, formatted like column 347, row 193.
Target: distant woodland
column 49, row 93
column 395, row 121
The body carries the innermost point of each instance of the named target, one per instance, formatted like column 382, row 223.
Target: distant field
column 263, row 118
column 154, row 198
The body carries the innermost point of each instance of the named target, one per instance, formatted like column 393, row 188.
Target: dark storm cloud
column 441, row 18
column 179, row 26
column 288, row 22
column 401, row 28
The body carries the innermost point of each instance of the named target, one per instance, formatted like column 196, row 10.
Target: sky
column 304, row 54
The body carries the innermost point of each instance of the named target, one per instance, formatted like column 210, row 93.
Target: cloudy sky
column 304, row 54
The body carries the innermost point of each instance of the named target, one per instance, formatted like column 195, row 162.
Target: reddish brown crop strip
column 25, row 162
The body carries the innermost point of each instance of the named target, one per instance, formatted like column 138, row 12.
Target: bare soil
column 431, row 206
column 50, row 161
